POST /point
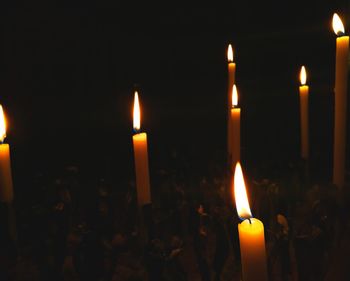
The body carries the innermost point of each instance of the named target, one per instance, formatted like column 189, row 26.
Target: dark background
column 68, row 76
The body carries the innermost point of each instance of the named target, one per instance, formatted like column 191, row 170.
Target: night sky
column 68, row 76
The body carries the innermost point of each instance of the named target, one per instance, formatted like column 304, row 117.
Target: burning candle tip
column 338, row 25
column 229, row 53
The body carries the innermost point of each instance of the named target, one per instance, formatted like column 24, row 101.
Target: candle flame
column 302, row 75
column 234, row 96
column 2, row 125
column 137, row 113
column 230, row 53
column 240, row 192
column 338, row 26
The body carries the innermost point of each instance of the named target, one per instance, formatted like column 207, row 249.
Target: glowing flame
column 137, row 113
column 338, row 26
column 242, row 204
column 234, row 96
column 302, row 75
column 230, row 53
column 2, row 125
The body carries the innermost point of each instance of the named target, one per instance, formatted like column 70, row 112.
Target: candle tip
column 2, row 125
column 234, row 96
column 230, row 53
column 240, row 194
column 338, row 25
column 136, row 113
column 302, row 75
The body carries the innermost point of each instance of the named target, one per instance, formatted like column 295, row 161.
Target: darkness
column 68, row 76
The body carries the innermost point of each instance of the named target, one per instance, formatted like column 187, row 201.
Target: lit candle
column 6, row 187
column 341, row 78
column 231, row 82
column 235, row 116
column 251, row 234
column 141, row 157
column 304, row 114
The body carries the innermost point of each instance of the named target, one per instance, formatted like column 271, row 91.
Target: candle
column 141, row 158
column 251, row 234
column 235, row 117
column 341, row 77
column 231, row 82
column 6, row 187
column 304, row 114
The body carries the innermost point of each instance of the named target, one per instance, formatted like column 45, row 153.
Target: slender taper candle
column 6, row 187
column 231, row 82
column 304, row 114
column 341, row 83
column 141, row 158
column 235, row 116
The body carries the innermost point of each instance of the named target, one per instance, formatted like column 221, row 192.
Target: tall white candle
column 231, row 82
column 235, row 145
column 340, row 111
column 141, row 158
column 6, row 186
column 304, row 114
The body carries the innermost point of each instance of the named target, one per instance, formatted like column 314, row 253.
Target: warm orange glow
column 338, row 26
column 241, row 198
column 137, row 113
column 2, row 125
column 234, row 96
column 302, row 75
column 230, row 53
